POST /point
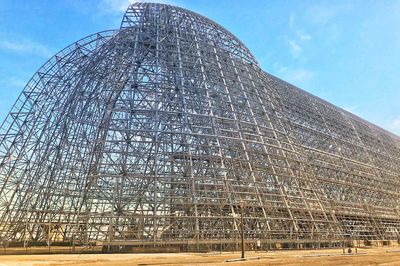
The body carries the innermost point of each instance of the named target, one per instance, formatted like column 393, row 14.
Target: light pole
column 241, row 226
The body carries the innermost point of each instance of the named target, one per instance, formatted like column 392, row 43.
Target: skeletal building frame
column 153, row 133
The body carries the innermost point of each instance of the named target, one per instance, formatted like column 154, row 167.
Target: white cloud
column 295, row 48
column 293, row 75
column 115, row 5
column 16, row 82
column 351, row 109
column 292, row 18
column 121, row 5
column 394, row 126
column 13, row 82
column 323, row 14
column 26, row 46
column 298, row 36
column 300, row 75
column 303, row 36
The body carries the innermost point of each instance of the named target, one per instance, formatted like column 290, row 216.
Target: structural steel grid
column 152, row 135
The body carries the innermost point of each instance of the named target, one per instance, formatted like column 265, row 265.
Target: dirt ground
column 367, row 256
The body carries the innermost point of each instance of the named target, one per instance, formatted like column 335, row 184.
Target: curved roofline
column 49, row 63
column 230, row 34
column 360, row 119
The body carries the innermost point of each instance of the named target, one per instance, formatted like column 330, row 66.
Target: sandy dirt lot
column 370, row 256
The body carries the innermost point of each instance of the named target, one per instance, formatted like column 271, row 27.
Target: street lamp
column 241, row 226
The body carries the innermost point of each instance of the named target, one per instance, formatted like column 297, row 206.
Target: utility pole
column 241, row 226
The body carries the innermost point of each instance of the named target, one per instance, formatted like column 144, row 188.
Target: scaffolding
column 151, row 135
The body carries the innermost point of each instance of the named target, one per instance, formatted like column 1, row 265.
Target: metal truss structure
column 154, row 133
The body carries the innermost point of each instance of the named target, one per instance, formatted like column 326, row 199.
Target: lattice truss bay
column 154, row 132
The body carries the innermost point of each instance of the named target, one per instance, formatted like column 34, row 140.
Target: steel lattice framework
column 153, row 133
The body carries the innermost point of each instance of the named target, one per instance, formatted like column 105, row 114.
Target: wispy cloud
column 351, row 109
column 115, row 5
column 303, row 36
column 324, row 13
column 121, row 5
column 13, row 82
column 394, row 126
column 294, row 75
column 295, row 48
column 300, row 75
column 297, row 36
column 292, row 18
column 16, row 82
column 25, row 47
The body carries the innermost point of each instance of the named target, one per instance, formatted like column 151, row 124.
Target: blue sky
column 346, row 52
